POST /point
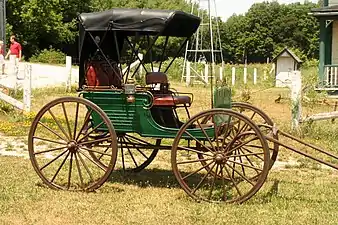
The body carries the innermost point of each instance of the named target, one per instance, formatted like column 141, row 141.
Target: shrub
column 50, row 56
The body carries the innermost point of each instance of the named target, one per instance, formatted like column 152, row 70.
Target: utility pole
column 3, row 23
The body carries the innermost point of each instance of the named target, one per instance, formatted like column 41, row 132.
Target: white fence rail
column 204, row 77
column 331, row 75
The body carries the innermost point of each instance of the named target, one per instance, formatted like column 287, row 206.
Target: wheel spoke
column 232, row 180
column 93, row 161
column 58, row 124
column 203, row 178
column 213, row 182
column 94, row 151
column 53, row 160
column 83, row 126
column 58, row 170
column 198, row 141
column 245, row 165
column 86, row 167
column 206, row 135
column 193, row 161
column 70, row 169
column 49, row 150
column 194, row 172
column 243, row 177
column 247, row 158
column 76, row 118
column 45, row 139
column 78, row 169
column 53, row 132
column 252, row 153
column 194, row 150
column 66, row 117
column 95, row 141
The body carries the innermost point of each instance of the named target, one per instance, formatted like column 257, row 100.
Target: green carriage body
column 135, row 117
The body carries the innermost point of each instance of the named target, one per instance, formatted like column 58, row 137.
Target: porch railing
column 330, row 76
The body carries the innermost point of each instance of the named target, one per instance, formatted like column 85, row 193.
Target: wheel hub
column 72, row 146
column 219, row 158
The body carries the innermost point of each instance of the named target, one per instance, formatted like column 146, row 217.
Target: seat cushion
column 170, row 100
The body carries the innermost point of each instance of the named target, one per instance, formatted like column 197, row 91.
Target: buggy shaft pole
column 303, row 143
column 303, row 153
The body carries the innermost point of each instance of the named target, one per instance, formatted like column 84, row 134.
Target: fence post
column 206, row 73
column 245, row 74
column 233, row 76
column 221, row 73
column 27, row 88
column 296, row 106
column 141, row 67
column 187, row 78
column 255, row 75
column 69, row 73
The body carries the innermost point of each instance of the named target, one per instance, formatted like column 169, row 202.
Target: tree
column 267, row 26
column 40, row 24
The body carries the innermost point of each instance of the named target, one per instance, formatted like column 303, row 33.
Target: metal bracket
column 328, row 22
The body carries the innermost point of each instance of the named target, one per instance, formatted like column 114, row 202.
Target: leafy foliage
column 268, row 27
column 254, row 36
column 50, row 56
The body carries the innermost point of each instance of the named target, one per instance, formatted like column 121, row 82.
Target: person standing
column 15, row 53
column 2, row 58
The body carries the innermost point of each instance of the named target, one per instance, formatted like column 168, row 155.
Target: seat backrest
column 156, row 78
column 222, row 97
column 106, row 75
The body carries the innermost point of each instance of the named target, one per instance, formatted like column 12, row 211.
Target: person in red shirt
column 2, row 58
column 15, row 48
column 15, row 53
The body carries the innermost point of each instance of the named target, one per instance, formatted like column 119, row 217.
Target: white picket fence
column 31, row 75
column 191, row 73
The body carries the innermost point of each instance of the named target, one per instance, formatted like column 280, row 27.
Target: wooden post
column 187, row 78
column 334, row 109
column 255, row 75
column 69, row 73
column 233, row 76
column 221, row 73
column 27, row 88
column 141, row 67
column 296, row 106
column 206, row 73
column 245, row 74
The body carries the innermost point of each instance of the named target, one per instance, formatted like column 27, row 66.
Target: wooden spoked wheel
column 136, row 154
column 259, row 118
column 235, row 157
column 61, row 147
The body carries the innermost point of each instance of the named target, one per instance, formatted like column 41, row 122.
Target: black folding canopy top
column 107, row 31
column 167, row 22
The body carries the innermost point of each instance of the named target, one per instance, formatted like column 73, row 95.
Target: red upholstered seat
column 171, row 100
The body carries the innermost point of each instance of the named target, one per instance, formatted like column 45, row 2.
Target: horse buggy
column 120, row 119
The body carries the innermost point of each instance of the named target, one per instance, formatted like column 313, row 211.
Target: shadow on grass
column 146, row 178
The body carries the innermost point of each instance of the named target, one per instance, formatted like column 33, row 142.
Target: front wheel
column 235, row 159
column 59, row 146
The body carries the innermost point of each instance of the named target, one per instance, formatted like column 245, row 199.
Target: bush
column 50, row 56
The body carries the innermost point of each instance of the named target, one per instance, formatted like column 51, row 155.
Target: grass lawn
column 298, row 194
column 292, row 196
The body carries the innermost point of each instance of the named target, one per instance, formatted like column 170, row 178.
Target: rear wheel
column 259, row 118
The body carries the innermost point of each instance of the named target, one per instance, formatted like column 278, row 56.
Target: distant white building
column 285, row 63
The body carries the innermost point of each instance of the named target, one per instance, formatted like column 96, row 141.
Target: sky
column 226, row 8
